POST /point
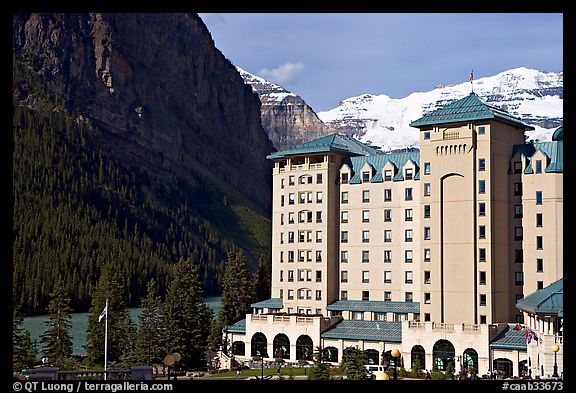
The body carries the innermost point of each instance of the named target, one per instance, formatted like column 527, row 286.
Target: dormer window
column 365, row 177
column 388, row 175
column 409, row 173
column 517, row 167
column 344, row 178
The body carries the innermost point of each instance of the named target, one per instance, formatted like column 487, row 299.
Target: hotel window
column 318, row 178
column 427, row 277
column 309, row 195
column 387, row 175
column 344, row 178
column 365, row 256
column 388, row 277
column 365, row 236
column 518, row 233
column 387, row 215
column 408, row 256
column 301, row 294
column 518, row 297
column 483, row 319
column 302, row 196
column 426, row 211
column 539, row 242
column 388, row 235
column 309, row 276
column 291, row 180
column 290, row 237
column 344, row 256
column 538, row 166
column 538, row 219
column 344, row 237
column 482, row 231
column 357, row 315
column 365, row 295
column 344, row 217
column 408, row 235
column 539, row 265
column 426, row 189
column 539, row 285
column 290, row 294
column 365, row 177
column 482, row 299
column 427, row 255
column 517, row 167
column 387, row 256
column 427, row 298
column 291, row 198
column 365, row 276
column 482, row 254
column 482, row 278
column 517, row 189
column 408, row 173
column 426, row 233
column 301, row 255
column 281, row 237
column 519, row 278
column 318, row 294
column 518, row 255
column 318, row 216
column 344, row 276
column 387, row 195
column 281, row 275
column 482, row 186
column 379, row 316
column 282, row 183
column 281, row 200
column 365, row 215
column 318, row 236
column 318, row 256
column 309, row 256
column 538, row 197
column 482, row 209
column 366, row 196
column 517, row 211
column 290, row 256
column 481, row 130
column 290, row 276
column 319, row 197
column 281, row 256
column 481, row 164
column 426, row 168
column 291, row 217
column 408, row 215
column 408, row 194
column 343, row 295
column 408, row 277
column 387, row 296
column 426, row 317
column 281, row 218
column 344, row 197
column 426, row 135
column 301, row 236
column 408, row 297
column 281, row 294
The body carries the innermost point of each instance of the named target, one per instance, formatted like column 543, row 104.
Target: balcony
column 443, row 326
column 448, row 135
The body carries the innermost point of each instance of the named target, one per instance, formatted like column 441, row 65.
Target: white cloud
column 284, row 73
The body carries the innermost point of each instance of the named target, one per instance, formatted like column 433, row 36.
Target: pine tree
column 150, row 329
column 237, row 289
column 110, row 287
column 353, row 361
column 57, row 340
column 321, row 369
column 187, row 317
column 263, row 279
column 23, row 354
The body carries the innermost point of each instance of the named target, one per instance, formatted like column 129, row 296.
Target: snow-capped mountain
column 535, row 97
column 285, row 116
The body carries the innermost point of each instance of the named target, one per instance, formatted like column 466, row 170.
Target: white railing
column 442, row 326
column 467, row 327
column 416, row 325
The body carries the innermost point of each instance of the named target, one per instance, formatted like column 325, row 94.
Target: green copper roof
column 467, row 109
column 558, row 134
column 510, row 339
column 238, row 327
column 387, row 331
column 546, row 301
column 275, row 302
column 554, row 151
column 378, row 161
column 331, row 143
column 374, row 306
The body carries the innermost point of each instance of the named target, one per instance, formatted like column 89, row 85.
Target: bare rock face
column 162, row 95
column 286, row 117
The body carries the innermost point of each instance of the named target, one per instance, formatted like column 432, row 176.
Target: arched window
column 470, row 360
column 418, row 357
column 238, row 348
column 503, row 367
column 443, row 353
column 332, row 354
column 372, row 356
column 281, row 346
column 259, row 345
column 304, row 348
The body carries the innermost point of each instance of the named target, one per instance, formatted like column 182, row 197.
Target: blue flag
column 103, row 313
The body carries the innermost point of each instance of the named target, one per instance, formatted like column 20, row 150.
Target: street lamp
column 395, row 354
column 555, row 349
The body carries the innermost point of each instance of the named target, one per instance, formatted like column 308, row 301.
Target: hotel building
column 426, row 252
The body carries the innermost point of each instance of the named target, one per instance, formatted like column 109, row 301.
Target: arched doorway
column 442, row 354
column 281, row 346
column 238, row 348
column 503, row 368
column 470, row 360
column 259, row 345
column 372, row 356
column 387, row 359
column 304, row 348
column 523, row 368
column 332, row 354
column 418, row 357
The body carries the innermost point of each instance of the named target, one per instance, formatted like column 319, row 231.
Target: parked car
column 374, row 370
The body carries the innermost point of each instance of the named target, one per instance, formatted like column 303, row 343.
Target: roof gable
column 548, row 300
column 331, row 143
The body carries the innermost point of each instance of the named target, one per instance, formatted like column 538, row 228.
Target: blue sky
column 325, row 58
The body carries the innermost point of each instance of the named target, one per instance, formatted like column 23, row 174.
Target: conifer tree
column 23, row 354
column 56, row 339
column 321, row 369
column 110, row 286
column 150, row 330
column 187, row 317
column 353, row 361
column 263, row 278
column 237, row 289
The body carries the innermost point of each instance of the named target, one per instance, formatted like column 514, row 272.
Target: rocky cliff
column 286, row 117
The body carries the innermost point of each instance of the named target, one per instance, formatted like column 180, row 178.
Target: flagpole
column 106, row 341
